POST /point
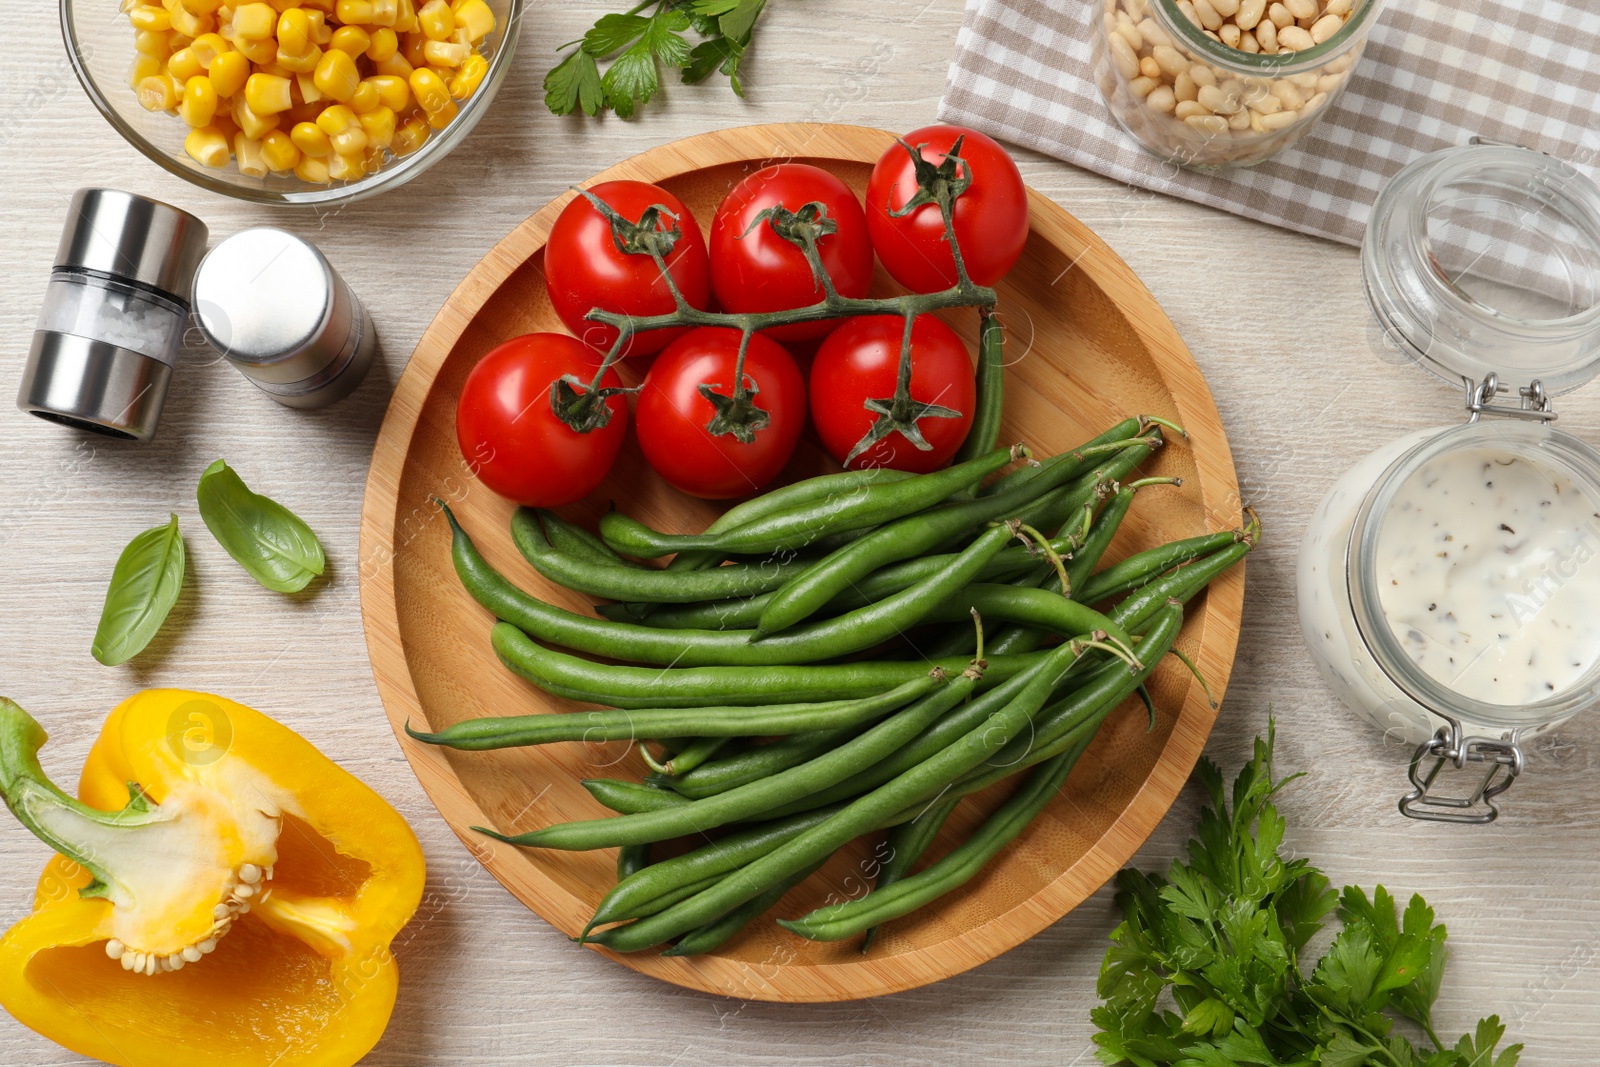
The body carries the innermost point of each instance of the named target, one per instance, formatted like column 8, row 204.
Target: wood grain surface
column 1090, row 347
column 1276, row 321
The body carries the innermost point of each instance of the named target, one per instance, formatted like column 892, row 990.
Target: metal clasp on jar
column 1451, row 746
column 1533, row 402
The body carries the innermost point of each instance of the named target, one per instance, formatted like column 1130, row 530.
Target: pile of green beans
column 845, row 656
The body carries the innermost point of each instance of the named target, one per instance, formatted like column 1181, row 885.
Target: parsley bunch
column 638, row 42
column 1224, row 933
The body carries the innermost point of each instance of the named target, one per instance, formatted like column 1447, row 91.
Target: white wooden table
column 1276, row 320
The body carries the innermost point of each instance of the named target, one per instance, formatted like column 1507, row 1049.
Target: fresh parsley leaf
column 1219, row 940
column 613, row 33
column 574, row 83
column 630, row 81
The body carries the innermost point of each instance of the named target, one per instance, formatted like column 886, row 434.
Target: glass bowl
column 100, row 44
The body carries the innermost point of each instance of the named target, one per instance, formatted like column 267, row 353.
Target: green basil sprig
column 266, row 538
column 144, row 586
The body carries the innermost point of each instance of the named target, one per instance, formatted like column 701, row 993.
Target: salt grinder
column 274, row 306
column 114, row 314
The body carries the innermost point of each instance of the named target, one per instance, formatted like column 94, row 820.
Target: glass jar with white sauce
column 1447, row 583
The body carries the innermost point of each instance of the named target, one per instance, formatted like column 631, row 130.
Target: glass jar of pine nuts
column 1212, row 84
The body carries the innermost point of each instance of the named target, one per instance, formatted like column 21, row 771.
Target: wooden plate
column 1088, row 345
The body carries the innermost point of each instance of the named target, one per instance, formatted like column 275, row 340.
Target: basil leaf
column 144, row 586
column 266, row 538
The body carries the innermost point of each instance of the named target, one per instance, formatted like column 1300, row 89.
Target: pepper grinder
column 273, row 305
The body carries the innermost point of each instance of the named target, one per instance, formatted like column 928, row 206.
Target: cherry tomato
column 755, row 270
column 672, row 413
column 584, row 269
column 860, row 361
column 990, row 218
column 512, row 439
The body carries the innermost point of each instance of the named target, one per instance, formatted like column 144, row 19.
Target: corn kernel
column 384, row 43
column 304, row 63
column 268, row 94
column 396, row 66
column 199, row 101
column 254, row 21
column 352, row 40
column 184, row 64
column 385, row 12
column 405, row 19
column 411, row 46
column 248, row 154
column 228, row 73
column 446, row 53
column 150, row 18
column 313, row 171
column 274, row 70
column 278, row 151
column 430, row 91
column 325, row 6
column 311, row 140
column 476, row 16
column 365, row 98
column 344, row 131
column 353, row 12
column 144, row 67
column 151, row 43
column 201, row 7
column 158, row 93
column 280, row 6
column 412, row 135
column 394, row 93
column 436, row 20
column 321, row 32
column 207, row 147
column 189, row 24
column 348, row 167
column 254, row 124
column 307, row 86
column 444, row 116
column 294, row 32
column 379, row 125
column 260, row 52
column 337, row 76
column 469, row 76
column 208, row 46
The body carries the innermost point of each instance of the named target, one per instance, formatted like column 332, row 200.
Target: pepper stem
column 61, row 821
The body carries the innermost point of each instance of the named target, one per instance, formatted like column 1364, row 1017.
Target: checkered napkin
column 1435, row 72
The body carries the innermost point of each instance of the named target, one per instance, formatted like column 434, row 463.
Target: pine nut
column 1281, row 121
column 1170, row 60
column 1280, row 16
column 1250, row 13
column 1208, row 123
column 1267, row 34
column 1190, row 108
column 1208, row 15
column 1294, row 39
column 1326, row 27
column 1161, row 99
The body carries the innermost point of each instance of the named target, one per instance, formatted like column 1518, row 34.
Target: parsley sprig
column 1223, row 935
column 639, row 42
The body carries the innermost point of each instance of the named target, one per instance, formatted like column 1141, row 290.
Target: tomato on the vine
column 515, row 442
column 755, row 269
column 860, row 362
column 585, row 268
column 990, row 217
column 690, row 394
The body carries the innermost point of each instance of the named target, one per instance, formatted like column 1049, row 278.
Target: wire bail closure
column 1533, row 403
column 1451, row 746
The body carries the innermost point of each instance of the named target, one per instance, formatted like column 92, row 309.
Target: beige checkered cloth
column 1434, row 74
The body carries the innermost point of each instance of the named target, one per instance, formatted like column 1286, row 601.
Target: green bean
column 860, row 816
column 1066, row 503
column 1122, row 431
column 630, row 797
column 574, row 540
column 1137, row 569
column 628, row 897
column 576, row 678
column 838, row 921
column 494, row 732
column 986, row 415
column 796, row 527
column 755, row 798
column 1104, row 528
column 643, row 583
column 907, row 844
column 713, row 935
column 1181, row 584
column 631, row 859
column 1033, row 607
column 755, row 764
column 695, row 753
column 905, row 538
column 839, row 636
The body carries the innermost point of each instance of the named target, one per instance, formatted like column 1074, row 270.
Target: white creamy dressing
column 1487, row 571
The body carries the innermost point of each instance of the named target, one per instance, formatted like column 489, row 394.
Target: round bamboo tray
column 1087, row 345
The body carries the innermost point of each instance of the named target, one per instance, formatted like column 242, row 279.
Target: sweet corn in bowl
column 292, row 101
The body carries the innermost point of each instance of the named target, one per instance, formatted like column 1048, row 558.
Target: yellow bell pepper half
column 224, row 895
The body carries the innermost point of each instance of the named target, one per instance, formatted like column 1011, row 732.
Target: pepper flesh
column 188, row 800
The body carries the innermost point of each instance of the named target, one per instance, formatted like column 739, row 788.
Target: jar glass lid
column 1485, row 259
